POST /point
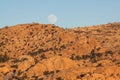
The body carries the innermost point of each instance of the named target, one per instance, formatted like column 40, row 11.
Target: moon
column 52, row 18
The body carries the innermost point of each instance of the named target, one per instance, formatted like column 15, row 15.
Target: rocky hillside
column 48, row 52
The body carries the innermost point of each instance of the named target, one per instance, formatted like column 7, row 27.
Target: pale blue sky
column 70, row 13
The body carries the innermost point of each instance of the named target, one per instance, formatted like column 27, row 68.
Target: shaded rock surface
column 48, row 52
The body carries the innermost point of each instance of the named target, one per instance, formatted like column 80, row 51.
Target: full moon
column 52, row 19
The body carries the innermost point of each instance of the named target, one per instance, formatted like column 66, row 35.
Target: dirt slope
column 48, row 52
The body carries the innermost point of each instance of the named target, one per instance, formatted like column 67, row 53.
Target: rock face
column 48, row 52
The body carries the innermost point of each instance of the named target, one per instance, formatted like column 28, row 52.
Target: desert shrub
column 59, row 54
column 119, row 52
column 62, row 47
column 98, row 30
column 32, row 53
column 94, row 57
column 85, row 57
column 57, row 71
column 16, row 61
column 87, row 42
column 98, row 48
column 59, row 40
column 4, row 58
column 35, row 77
column 19, row 78
column 72, row 57
column 78, row 57
column 37, row 52
column 108, row 52
column 24, row 59
column 59, row 78
column 19, row 73
column 41, row 78
column 36, row 60
column 75, row 57
column 30, row 33
column 14, row 66
column 51, row 72
column 46, row 73
column 43, row 56
column 23, row 77
column 14, row 71
column 80, row 76
column 118, row 63
column 6, row 27
column 1, row 44
column 99, row 65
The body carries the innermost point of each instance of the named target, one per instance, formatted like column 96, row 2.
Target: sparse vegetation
column 46, row 73
column 99, row 65
column 94, row 57
column 41, row 78
column 59, row 78
column 6, row 27
column 59, row 54
column 4, row 58
column 35, row 77
column 14, row 66
column 1, row 44
column 108, row 52
column 80, row 76
column 16, row 60
column 43, row 56
column 62, row 47
column 31, row 33
column 57, row 71
column 85, row 57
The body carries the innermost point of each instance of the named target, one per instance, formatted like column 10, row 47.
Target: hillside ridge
column 49, row 52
